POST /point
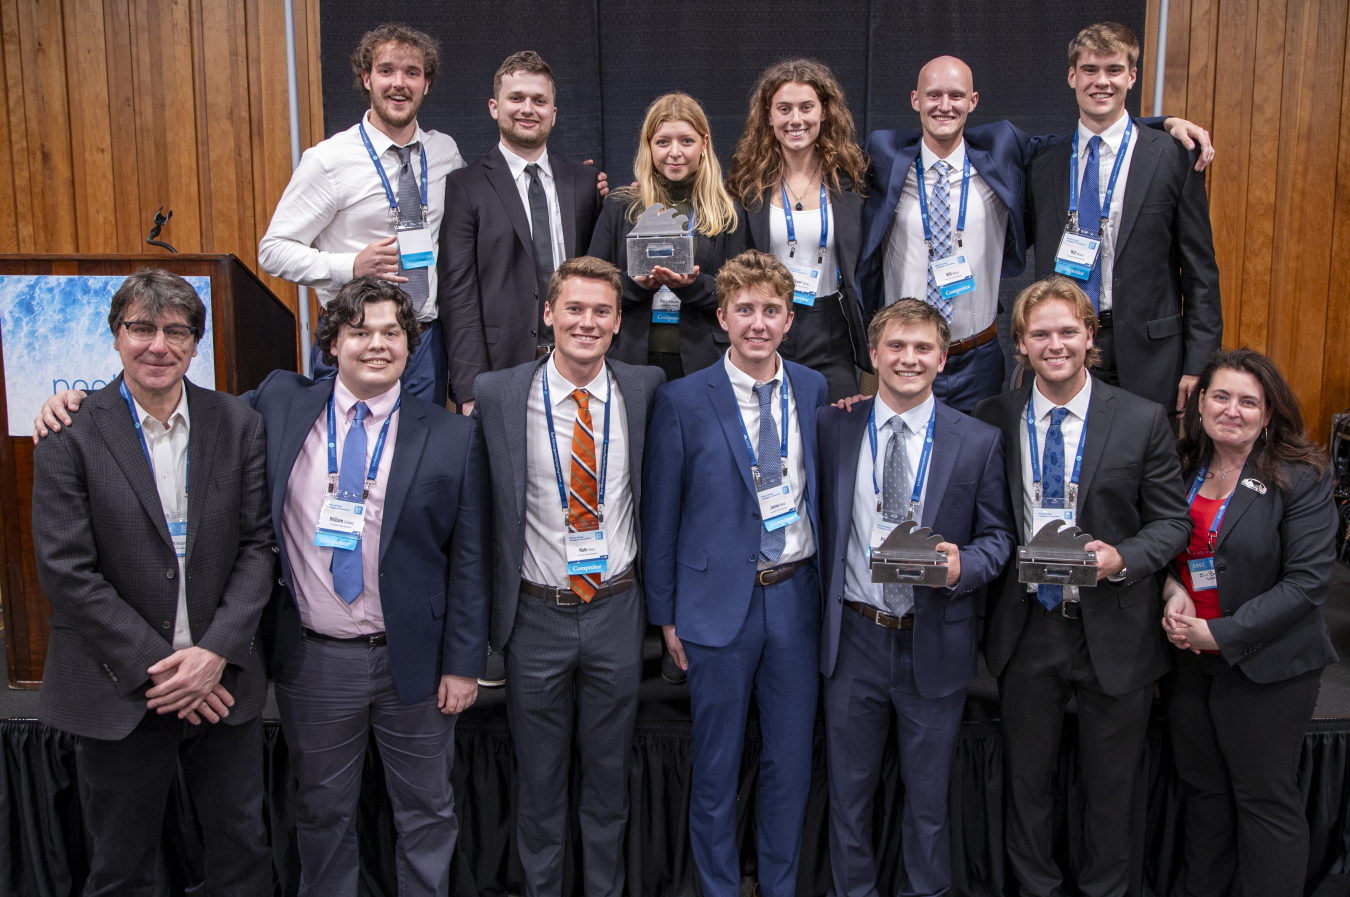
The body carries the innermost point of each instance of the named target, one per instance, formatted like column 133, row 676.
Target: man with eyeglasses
column 154, row 547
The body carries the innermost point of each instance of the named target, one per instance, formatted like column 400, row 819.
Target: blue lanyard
column 1110, row 184
column 1035, row 452
column 379, row 444
column 604, row 452
column 792, row 231
column 140, row 434
column 384, row 178
column 923, row 202
column 923, row 458
column 1223, row 509
column 749, row 446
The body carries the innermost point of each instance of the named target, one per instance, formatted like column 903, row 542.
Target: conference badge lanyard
column 342, row 515
column 881, row 527
column 665, row 304
column 952, row 273
column 414, row 238
column 587, row 550
column 1202, row 568
column 177, row 518
column 805, row 279
column 1078, row 249
column 1044, row 510
column 777, row 507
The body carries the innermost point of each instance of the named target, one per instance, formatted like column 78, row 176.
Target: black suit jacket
column 702, row 339
column 1165, row 306
column 848, row 210
column 1130, row 495
column 488, row 292
column 1273, row 561
column 107, row 564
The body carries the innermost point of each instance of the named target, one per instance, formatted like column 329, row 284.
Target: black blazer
column 848, row 209
column 1130, row 496
column 1165, row 251
column 702, row 339
column 488, row 292
column 1273, row 562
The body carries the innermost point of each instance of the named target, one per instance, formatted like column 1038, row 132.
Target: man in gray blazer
column 154, row 547
column 565, row 439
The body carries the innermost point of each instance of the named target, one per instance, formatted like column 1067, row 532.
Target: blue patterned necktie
column 1052, row 489
column 896, row 489
column 940, row 219
column 348, row 579
column 418, row 286
column 1090, row 215
column 770, row 468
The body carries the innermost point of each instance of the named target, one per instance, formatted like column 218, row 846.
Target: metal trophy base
column 660, row 237
column 1055, row 556
column 909, row 556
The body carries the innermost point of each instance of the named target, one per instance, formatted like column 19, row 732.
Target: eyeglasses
column 174, row 334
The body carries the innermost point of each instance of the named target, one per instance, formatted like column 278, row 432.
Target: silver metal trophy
column 1055, row 556
column 909, row 556
column 660, row 237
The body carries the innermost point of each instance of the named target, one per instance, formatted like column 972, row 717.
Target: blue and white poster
column 55, row 335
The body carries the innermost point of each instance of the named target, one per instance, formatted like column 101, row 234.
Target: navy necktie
column 1052, row 489
column 348, row 579
column 770, row 468
column 1090, row 215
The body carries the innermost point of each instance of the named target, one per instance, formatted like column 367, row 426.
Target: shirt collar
column 1078, row 405
column 741, row 381
column 180, row 412
column 517, row 164
column 560, row 388
column 1111, row 136
column 381, row 406
column 956, row 159
column 382, row 142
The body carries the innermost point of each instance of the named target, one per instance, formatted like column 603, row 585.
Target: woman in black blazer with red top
column 1244, row 605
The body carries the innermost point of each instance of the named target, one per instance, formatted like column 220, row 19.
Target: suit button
column 168, row 574
column 754, row 514
column 535, row 332
column 281, row 582
column 752, row 558
column 167, row 624
column 276, row 550
column 1228, row 613
column 1223, row 568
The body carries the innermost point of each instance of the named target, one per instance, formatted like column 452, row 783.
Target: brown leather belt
column 781, row 572
column 880, row 617
column 985, row 336
column 422, row 326
column 568, row 598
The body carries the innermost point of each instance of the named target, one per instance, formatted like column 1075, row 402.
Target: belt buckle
column 1077, row 610
column 759, row 577
column 886, row 620
column 559, row 594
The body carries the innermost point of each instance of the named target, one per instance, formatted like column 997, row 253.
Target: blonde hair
column 715, row 211
column 1056, row 286
column 750, row 269
column 1104, row 39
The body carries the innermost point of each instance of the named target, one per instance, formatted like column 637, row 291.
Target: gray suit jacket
column 107, row 565
column 502, row 400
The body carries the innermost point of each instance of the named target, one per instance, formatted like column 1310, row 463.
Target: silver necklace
column 795, row 195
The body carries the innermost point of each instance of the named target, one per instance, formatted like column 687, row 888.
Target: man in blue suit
column 904, row 455
column 729, row 523
column 947, row 251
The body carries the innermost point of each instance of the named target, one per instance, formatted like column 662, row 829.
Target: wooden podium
column 254, row 334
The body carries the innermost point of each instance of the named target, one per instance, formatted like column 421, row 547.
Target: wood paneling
column 114, row 108
column 1269, row 79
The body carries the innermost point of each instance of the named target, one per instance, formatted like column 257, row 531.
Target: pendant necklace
column 795, row 194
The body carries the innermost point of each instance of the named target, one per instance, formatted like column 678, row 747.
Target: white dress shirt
column 1106, row 160
column 1072, row 428
column 522, row 179
column 335, row 206
column 858, row 585
column 799, row 541
column 906, row 263
column 545, row 560
column 169, row 466
column 807, row 225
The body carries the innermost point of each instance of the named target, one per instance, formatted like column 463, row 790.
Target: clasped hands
column 1183, row 628
column 187, row 682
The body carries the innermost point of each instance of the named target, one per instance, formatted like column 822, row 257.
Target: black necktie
column 543, row 245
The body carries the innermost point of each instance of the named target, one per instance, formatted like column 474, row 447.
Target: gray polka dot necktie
column 896, row 488
column 767, row 453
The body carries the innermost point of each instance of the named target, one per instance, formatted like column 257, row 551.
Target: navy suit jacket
column 700, row 514
column 434, row 587
column 966, row 503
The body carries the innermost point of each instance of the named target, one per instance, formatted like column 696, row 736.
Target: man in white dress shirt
column 370, row 200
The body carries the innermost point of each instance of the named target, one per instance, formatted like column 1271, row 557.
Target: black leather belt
column 378, row 640
column 880, row 617
column 781, row 572
column 984, row 337
column 567, row 598
column 1067, row 610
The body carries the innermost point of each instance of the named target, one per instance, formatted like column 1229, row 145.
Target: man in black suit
column 1131, row 223
column 154, row 547
column 1108, row 467
column 511, row 218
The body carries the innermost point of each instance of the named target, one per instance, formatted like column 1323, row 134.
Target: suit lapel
column 1059, row 177
column 635, row 407
column 982, row 164
column 412, row 437
column 1243, row 498
column 305, row 408
column 1101, row 411
column 127, row 447
column 1142, row 165
column 806, row 424
column 516, row 416
column 946, row 447
column 566, row 185
column 852, row 431
column 728, row 414
column 204, row 410
column 1011, row 424
column 499, row 176
column 757, row 219
column 900, row 168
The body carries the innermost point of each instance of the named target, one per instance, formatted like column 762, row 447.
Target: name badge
column 587, row 552
column 777, row 507
column 1077, row 254
column 414, row 247
column 340, row 523
column 952, row 275
column 880, row 530
column 805, row 282
column 1041, row 516
column 1202, row 574
column 665, row 307
column 178, row 533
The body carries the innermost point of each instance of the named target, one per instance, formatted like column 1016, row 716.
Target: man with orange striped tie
column 565, row 436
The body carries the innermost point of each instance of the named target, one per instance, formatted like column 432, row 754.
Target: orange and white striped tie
column 582, row 491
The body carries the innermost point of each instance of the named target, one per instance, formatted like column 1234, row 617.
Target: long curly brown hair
column 758, row 162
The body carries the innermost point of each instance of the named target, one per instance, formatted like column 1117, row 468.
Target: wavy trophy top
column 659, row 221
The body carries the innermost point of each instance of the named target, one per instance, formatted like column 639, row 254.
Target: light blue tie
column 348, row 580
column 1052, row 488
column 1090, row 215
column 940, row 219
column 770, row 468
